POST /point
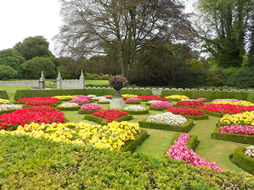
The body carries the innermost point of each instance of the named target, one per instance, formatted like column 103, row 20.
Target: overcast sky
column 20, row 19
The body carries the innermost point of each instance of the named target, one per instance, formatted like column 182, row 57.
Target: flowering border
column 102, row 121
column 162, row 126
column 243, row 161
column 245, row 139
column 191, row 144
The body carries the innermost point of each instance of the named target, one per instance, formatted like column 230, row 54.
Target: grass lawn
column 158, row 142
column 11, row 90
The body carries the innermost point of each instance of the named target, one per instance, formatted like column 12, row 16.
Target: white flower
column 153, row 101
column 7, row 107
column 69, row 105
column 99, row 98
column 167, row 118
column 250, row 151
column 134, row 108
column 104, row 100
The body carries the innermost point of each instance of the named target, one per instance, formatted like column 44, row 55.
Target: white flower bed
column 69, row 105
column 99, row 98
column 8, row 107
column 134, row 108
column 91, row 96
column 249, row 151
column 153, row 101
column 104, row 100
column 167, row 118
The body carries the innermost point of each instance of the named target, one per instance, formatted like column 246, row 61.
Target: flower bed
column 132, row 101
column 238, row 129
column 190, row 113
column 190, row 103
column 249, row 151
column 126, row 96
column 104, row 101
column 136, row 110
column 152, row 101
column 176, row 97
column 65, row 98
column 233, row 102
column 202, row 99
column 113, row 136
column 180, row 151
column 222, row 109
column 167, row 121
column 108, row 96
column 89, row 108
column 4, row 101
column 38, row 114
column 80, row 100
column 242, row 160
column 147, row 98
column 158, row 106
column 246, row 118
column 39, row 101
column 7, row 108
column 191, row 144
column 68, row 106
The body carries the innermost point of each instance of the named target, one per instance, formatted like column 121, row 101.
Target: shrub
column 4, row 95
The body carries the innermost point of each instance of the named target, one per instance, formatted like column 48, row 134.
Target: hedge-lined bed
column 132, row 103
column 6, row 111
column 102, row 121
column 179, row 128
column 245, row 139
column 191, row 144
column 86, row 112
column 68, row 108
column 137, row 112
column 215, row 114
column 157, row 109
column 197, row 117
column 4, row 95
column 28, row 163
column 243, row 161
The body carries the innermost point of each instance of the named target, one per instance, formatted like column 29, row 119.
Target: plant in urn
column 117, row 83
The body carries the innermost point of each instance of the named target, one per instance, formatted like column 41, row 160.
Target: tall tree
column 223, row 26
column 124, row 25
column 33, row 47
column 251, row 50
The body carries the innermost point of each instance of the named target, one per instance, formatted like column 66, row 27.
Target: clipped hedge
column 209, row 95
column 137, row 112
column 29, row 163
column 179, row 128
column 132, row 145
column 103, row 121
column 157, row 109
column 245, row 139
column 4, row 95
column 98, row 92
column 6, row 111
column 215, row 114
column 243, row 161
column 68, row 109
column 198, row 117
column 250, row 97
column 132, row 102
column 86, row 112
column 191, row 144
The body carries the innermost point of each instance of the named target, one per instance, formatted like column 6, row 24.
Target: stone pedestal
column 117, row 103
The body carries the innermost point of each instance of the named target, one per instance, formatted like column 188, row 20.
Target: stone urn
column 117, row 86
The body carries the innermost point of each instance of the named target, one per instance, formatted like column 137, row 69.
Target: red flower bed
column 109, row 115
column 190, row 103
column 39, row 101
column 238, row 129
column 152, row 98
column 226, row 108
column 186, row 111
column 38, row 114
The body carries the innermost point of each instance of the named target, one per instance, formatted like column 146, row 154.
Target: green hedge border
column 4, row 95
column 161, row 126
column 102, row 121
column 139, row 139
column 245, row 139
column 198, row 117
column 215, row 114
column 243, row 161
column 7, row 111
column 68, row 109
column 86, row 112
column 137, row 112
column 191, row 144
column 157, row 109
column 132, row 102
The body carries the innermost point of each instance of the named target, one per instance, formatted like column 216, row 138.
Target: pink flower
column 161, row 105
column 80, row 100
column 132, row 100
column 90, row 107
column 238, row 129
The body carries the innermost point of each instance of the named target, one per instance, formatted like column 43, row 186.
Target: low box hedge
column 157, row 109
column 179, row 128
column 132, row 102
column 198, row 117
column 137, row 112
column 250, row 97
column 103, row 121
column 245, row 139
column 132, row 145
column 215, row 114
column 4, row 95
column 191, row 144
column 86, row 112
column 68, row 109
column 243, row 161
column 6, row 111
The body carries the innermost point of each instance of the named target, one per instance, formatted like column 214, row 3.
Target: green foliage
column 198, row 117
column 250, row 97
column 91, row 76
column 98, row 120
column 12, row 53
column 191, row 144
column 32, row 68
column 7, row 72
column 28, row 163
column 33, row 47
column 137, row 112
column 12, row 62
column 180, row 128
column 85, row 112
column 215, row 114
column 243, row 161
column 4, row 95
column 245, row 139
column 242, row 78
column 213, row 80
column 68, row 109
column 157, row 109
column 194, row 64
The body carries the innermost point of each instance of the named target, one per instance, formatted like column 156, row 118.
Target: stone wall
column 29, row 83
column 72, row 83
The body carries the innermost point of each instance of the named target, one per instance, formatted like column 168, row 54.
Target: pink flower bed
column 107, row 96
column 80, row 100
column 90, row 107
column 180, row 151
column 238, row 129
column 132, row 100
column 161, row 105
column 201, row 99
column 82, row 96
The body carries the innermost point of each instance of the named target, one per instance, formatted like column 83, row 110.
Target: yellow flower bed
column 240, row 103
column 4, row 101
column 112, row 136
column 177, row 97
column 245, row 118
column 65, row 97
column 129, row 95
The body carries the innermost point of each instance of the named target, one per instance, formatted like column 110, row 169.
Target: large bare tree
column 123, row 25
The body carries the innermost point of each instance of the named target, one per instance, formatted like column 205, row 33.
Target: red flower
column 39, row 101
column 226, row 108
column 190, row 103
column 186, row 111
column 109, row 115
column 151, row 98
